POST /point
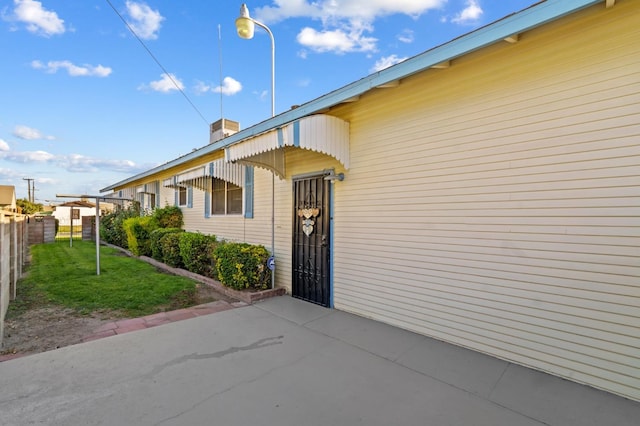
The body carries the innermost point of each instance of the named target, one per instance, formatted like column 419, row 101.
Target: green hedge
column 196, row 250
column 171, row 249
column 168, row 217
column 138, row 231
column 242, row 265
column 154, row 240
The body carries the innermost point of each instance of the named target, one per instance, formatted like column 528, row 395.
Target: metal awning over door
column 320, row 133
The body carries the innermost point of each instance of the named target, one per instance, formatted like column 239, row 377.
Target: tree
column 27, row 206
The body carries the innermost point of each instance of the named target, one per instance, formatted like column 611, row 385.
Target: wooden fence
column 42, row 229
column 14, row 253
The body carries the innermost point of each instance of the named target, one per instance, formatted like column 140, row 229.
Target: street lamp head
column 244, row 24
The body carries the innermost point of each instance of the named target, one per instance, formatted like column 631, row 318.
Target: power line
column 158, row 62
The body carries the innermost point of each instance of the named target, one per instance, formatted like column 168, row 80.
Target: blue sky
column 84, row 103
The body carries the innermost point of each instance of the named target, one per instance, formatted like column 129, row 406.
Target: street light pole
column 245, row 27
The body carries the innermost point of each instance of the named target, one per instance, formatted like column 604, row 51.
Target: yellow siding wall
column 496, row 204
column 167, row 196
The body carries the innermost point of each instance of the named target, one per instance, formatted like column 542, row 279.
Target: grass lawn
column 67, row 276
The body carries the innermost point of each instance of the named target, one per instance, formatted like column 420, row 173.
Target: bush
column 154, row 241
column 111, row 225
column 168, row 217
column 138, row 231
column 242, row 265
column 170, row 244
column 196, row 251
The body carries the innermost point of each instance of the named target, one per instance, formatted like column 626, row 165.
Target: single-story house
column 63, row 211
column 8, row 197
column 485, row 192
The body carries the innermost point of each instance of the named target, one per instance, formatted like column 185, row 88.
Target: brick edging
column 245, row 296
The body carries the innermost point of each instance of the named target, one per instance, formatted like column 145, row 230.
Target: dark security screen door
column 311, row 240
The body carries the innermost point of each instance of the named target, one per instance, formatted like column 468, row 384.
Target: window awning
column 320, row 133
column 229, row 172
column 197, row 178
column 170, row 183
column 200, row 177
column 147, row 188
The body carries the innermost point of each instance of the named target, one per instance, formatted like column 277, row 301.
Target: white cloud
column 46, row 180
column 4, row 146
column 337, row 41
column 75, row 163
column 145, row 21
column 263, row 95
column 386, row 62
column 80, row 164
column 28, row 156
column 469, row 14
column 332, row 10
column 229, row 87
column 10, row 173
column 166, row 84
column 343, row 23
column 28, row 133
column 201, row 88
column 406, row 36
column 38, row 20
column 73, row 70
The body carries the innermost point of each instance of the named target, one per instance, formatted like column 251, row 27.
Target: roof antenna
column 220, row 61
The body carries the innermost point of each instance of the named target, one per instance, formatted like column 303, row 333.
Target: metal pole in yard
column 71, row 229
column 97, row 236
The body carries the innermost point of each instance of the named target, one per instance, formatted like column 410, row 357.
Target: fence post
column 4, row 275
column 13, row 257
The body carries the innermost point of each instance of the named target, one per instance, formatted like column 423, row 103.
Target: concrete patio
column 286, row 362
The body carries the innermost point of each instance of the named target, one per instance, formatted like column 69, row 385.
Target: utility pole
column 31, row 194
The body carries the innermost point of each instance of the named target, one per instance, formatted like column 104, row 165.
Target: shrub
column 170, row 244
column 138, row 230
column 242, row 265
column 196, row 250
column 111, row 225
column 154, row 241
column 168, row 217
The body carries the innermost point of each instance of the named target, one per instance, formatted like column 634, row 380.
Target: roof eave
column 525, row 20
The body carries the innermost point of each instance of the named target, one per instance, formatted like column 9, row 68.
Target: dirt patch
column 40, row 328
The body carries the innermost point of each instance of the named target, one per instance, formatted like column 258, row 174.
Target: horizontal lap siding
column 496, row 204
column 167, row 196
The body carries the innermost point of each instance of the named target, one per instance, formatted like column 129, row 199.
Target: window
column 226, row 197
column 182, row 195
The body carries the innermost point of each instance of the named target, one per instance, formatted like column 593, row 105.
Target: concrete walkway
column 287, row 362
